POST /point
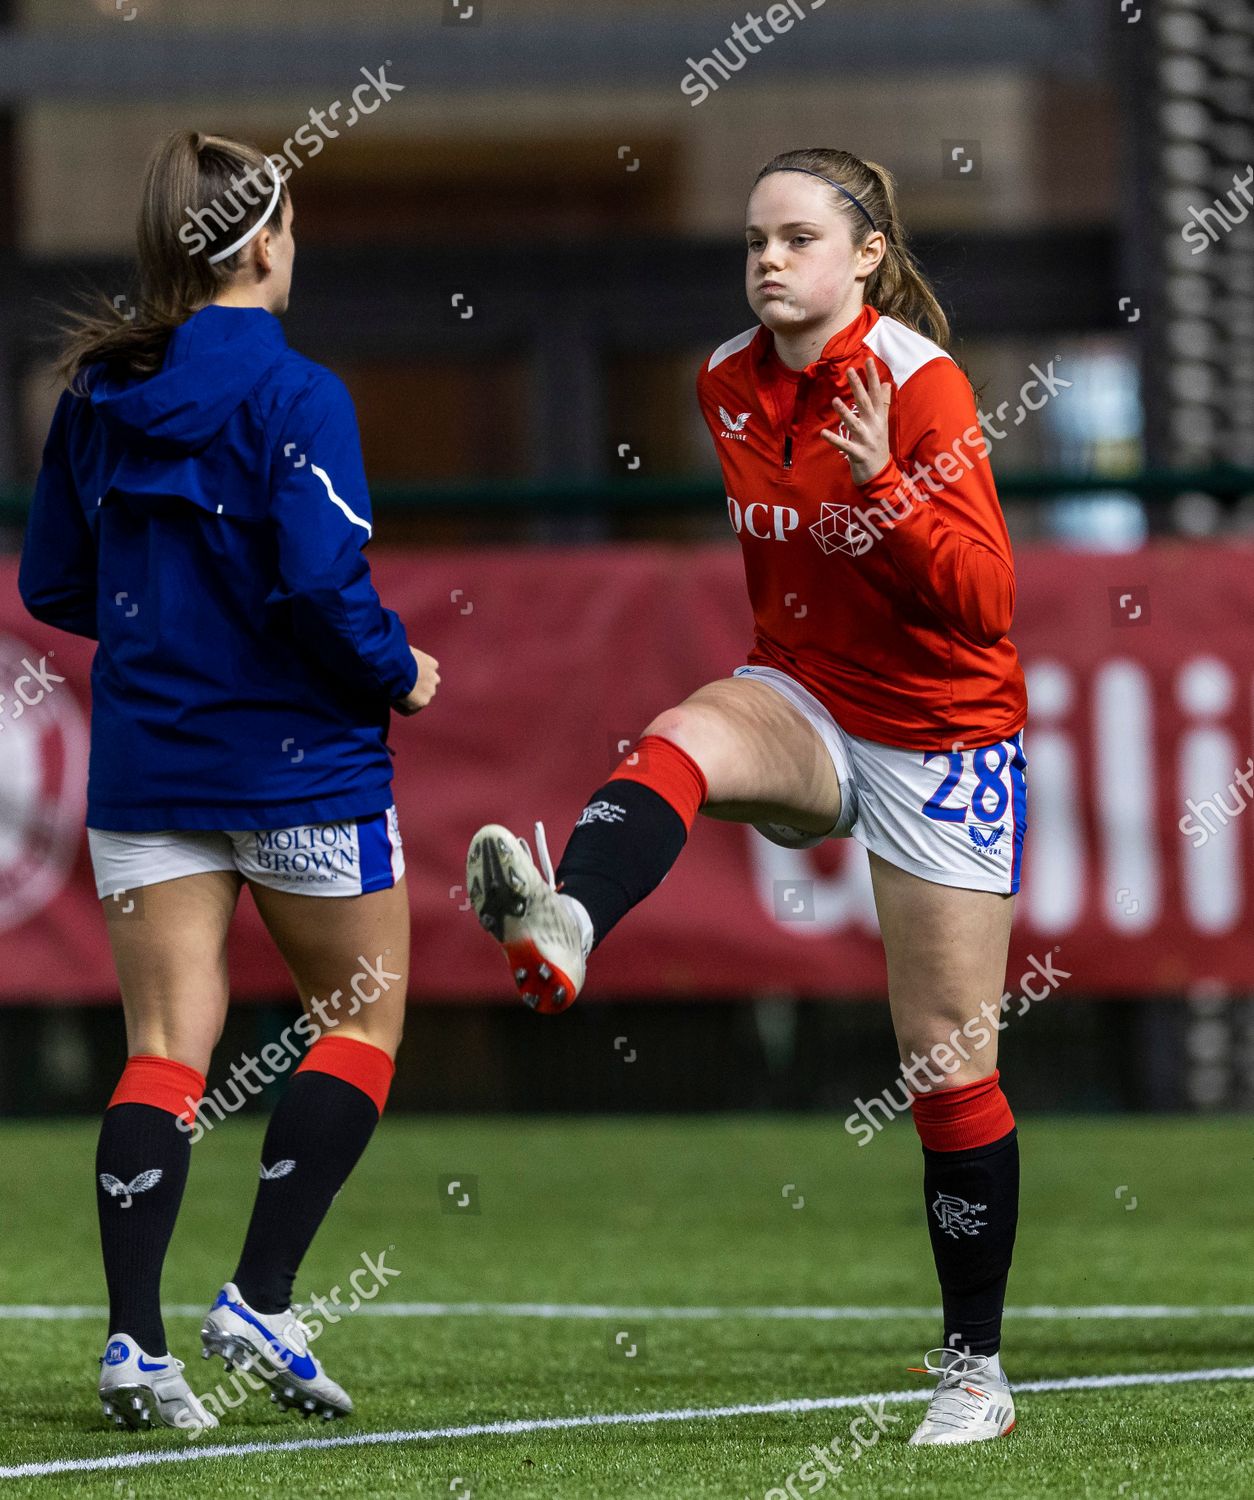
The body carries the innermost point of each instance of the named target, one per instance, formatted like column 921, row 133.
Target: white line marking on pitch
column 56, row 1312
column 608, row 1419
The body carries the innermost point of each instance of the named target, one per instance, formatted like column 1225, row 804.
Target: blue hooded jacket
column 205, row 525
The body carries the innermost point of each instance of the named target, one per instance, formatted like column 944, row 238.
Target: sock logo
column 279, row 1169
column 955, row 1214
column 601, row 811
column 118, row 1189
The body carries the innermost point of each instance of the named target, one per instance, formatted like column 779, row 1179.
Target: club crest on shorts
column 956, row 1216
column 987, row 841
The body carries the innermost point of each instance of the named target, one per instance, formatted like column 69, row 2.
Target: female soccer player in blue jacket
column 202, row 512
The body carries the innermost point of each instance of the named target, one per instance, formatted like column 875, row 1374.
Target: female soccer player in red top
column 881, row 700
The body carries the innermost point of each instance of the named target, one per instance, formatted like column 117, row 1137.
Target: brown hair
column 199, row 191
column 897, row 288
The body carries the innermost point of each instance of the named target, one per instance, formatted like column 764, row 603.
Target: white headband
column 244, row 238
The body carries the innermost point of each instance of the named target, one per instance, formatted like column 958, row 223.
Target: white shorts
column 955, row 817
column 320, row 859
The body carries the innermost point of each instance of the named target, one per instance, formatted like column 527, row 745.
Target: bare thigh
column 169, row 947
column 348, row 956
column 946, row 953
column 762, row 760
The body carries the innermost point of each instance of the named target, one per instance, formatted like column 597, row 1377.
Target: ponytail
column 196, row 194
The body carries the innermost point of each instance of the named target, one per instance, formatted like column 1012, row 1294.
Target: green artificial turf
column 663, row 1213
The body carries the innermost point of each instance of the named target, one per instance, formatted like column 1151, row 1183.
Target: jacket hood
column 212, row 364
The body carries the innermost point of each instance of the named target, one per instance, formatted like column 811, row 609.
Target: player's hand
column 423, row 690
column 866, row 446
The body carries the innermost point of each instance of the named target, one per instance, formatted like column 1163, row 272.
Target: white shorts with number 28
column 955, row 817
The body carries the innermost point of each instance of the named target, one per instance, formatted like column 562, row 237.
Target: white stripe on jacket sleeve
column 335, row 500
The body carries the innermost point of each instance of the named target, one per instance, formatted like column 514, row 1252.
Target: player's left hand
column 866, row 442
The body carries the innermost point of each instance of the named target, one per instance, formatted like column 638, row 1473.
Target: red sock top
column 362, row 1064
column 161, row 1082
column 664, row 768
column 973, row 1114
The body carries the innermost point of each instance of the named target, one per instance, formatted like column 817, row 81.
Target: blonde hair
column 897, row 288
column 188, row 180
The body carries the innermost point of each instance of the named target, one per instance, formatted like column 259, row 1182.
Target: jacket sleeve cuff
column 898, row 503
column 401, row 681
column 411, row 681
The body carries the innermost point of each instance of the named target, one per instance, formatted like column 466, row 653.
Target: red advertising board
column 1138, row 858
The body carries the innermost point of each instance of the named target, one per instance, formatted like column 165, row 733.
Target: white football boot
column 540, row 929
column 139, row 1391
column 276, row 1347
column 972, row 1401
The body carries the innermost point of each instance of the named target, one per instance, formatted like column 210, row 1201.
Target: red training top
column 889, row 601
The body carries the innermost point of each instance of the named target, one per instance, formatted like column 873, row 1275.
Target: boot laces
column 296, row 1330
column 543, row 863
column 955, row 1400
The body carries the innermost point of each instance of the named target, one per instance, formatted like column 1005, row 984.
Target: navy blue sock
column 972, row 1200
column 316, row 1135
column 142, row 1160
column 623, row 846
